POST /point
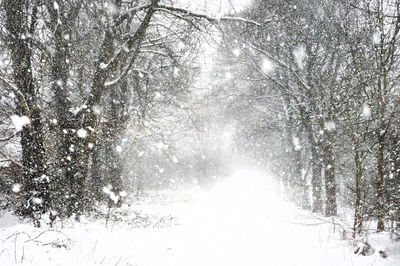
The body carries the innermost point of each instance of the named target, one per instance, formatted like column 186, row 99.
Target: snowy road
column 240, row 222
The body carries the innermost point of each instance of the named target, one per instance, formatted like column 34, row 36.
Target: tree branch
column 187, row 12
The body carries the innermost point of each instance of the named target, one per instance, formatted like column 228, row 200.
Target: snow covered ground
column 240, row 221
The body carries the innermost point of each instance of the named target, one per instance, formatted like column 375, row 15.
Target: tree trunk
column 35, row 182
column 316, row 181
column 358, row 220
column 379, row 207
column 68, row 158
column 330, row 183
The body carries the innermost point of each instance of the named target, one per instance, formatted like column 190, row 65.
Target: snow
column 112, row 8
column 329, row 125
column 299, row 54
column 114, row 198
column 19, row 122
column 176, row 71
column 267, row 65
column 366, row 111
column 16, row 188
column 239, row 221
column 218, row 16
column 296, row 143
column 161, row 146
column 107, row 189
column 376, row 37
column 96, row 109
column 236, row 52
column 82, row 133
column 37, row 201
column 103, row 65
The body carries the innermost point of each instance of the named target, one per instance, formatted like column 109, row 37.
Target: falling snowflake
column 296, row 143
column 16, row 188
column 299, row 55
column 228, row 75
column 267, row 65
column 82, row 133
column 366, row 111
column 376, row 37
column 329, row 125
column 37, row 201
column 107, row 189
column 236, row 52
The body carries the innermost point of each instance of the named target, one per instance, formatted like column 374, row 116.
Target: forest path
column 239, row 222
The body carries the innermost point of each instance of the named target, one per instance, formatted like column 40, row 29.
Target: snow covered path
column 240, row 222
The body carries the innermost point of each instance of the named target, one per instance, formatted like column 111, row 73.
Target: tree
column 35, row 182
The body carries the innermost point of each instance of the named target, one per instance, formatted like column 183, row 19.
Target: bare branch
column 206, row 16
column 19, row 95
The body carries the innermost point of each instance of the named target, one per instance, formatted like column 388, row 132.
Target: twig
column 51, row 230
column 23, row 254
column 15, row 248
column 18, row 233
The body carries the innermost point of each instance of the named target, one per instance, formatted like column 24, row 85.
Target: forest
column 106, row 102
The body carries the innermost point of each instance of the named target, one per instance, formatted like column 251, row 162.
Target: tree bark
column 379, row 207
column 316, row 181
column 330, row 182
column 35, row 182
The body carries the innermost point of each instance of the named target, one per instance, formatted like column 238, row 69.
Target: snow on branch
column 5, row 156
column 136, row 38
column 120, row 77
column 129, row 13
column 125, row 72
column 19, row 94
column 154, row 52
column 206, row 16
